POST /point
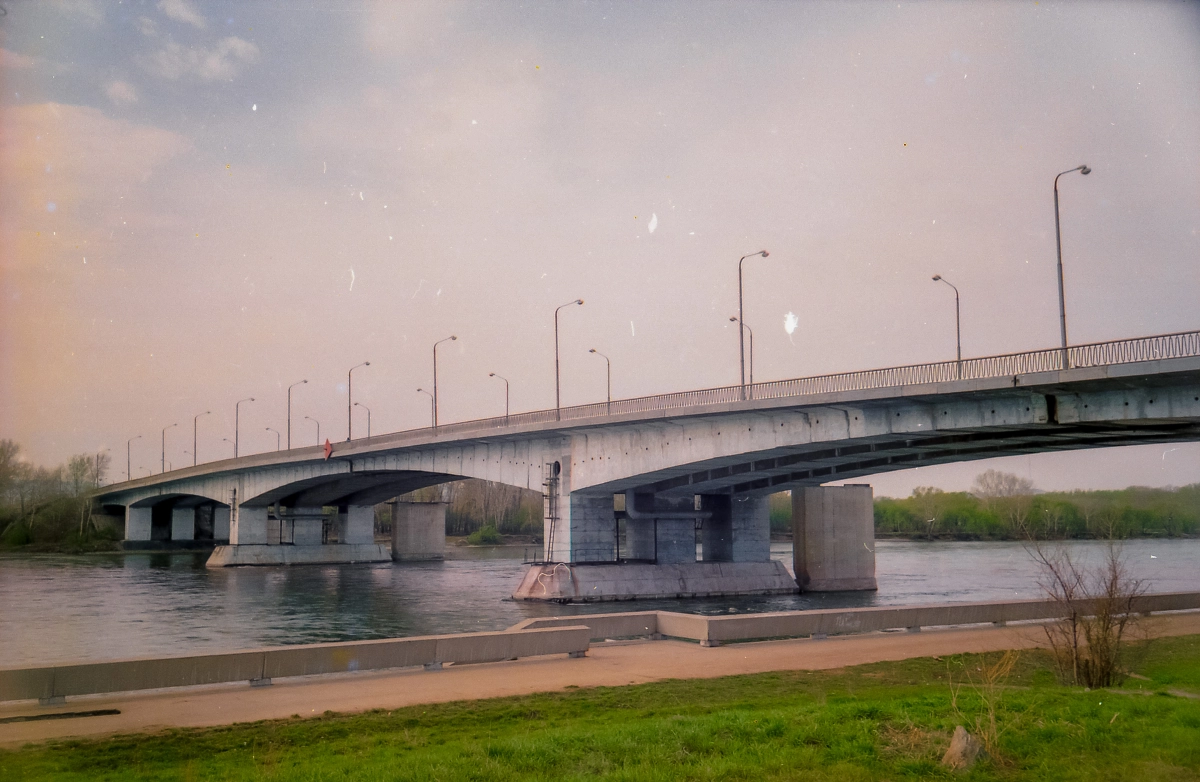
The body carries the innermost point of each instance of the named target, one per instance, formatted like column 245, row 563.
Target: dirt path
column 607, row 664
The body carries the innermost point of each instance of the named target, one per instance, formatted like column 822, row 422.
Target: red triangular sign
column 328, row 450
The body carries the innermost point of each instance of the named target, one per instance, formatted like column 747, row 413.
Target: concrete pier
column 297, row 536
column 833, row 538
column 418, row 531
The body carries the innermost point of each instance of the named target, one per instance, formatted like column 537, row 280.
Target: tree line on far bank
column 51, row 507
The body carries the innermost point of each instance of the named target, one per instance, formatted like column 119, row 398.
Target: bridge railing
column 1180, row 345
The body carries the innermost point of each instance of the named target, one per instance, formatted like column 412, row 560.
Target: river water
column 96, row 607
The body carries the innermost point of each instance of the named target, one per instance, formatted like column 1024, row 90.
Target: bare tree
column 1098, row 606
column 930, row 503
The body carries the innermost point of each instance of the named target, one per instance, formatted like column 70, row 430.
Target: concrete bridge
column 634, row 488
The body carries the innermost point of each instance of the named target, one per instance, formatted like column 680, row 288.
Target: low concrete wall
column 590, row 583
column 262, row 554
column 714, row 630
column 153, row 673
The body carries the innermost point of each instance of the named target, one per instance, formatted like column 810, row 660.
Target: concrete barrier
column 715, row 630
column 261, row 665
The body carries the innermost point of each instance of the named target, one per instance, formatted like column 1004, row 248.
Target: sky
column 202, row 202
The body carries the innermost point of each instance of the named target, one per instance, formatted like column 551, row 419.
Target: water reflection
column 56, row 608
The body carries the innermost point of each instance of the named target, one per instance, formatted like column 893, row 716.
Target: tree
column 993, row 484
column 930, row 504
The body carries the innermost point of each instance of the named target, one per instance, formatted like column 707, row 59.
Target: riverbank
column 654, row 710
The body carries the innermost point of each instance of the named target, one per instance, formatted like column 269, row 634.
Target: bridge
column 666, row 495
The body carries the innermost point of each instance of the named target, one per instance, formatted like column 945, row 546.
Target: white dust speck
column 389, row 238
column 352, row 279
column 418, row 290
column 631, row 331
column 85, row 260
column 1153, row 557
column 324, row 167
column 653, row 223
column 790, row 322
column 360, row 198
column 254, row 107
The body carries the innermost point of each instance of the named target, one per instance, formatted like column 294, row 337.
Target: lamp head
column 733, row 319
column 453, row 337
column 937, row 277
column 591, row 350
column 579, row 301
column 251, row 399
column 366, row 363
column 765, row 254
column 491, row 374
column 1084, row 170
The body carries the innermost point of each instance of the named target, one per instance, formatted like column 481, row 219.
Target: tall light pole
column 128, row 471
column 318, row 423
column 1062, row 301
column 289, row 426
column 450, row 338
column 163, row 467
column 195, row 429
column 269, row 429
column 350, row 401
column 957, row 320
column 237, row 418
column 751, row 332
column 557, row 384
column 741, row 337
column 493, row 374
column 432, row 408
column 364, row 407
column 609, row 364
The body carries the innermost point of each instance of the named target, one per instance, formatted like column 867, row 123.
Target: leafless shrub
column 1090, row 642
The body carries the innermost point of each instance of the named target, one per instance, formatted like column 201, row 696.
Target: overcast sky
column 203, row 202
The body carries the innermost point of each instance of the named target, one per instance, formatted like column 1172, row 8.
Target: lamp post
column 450, row 338
column 350, row 401
column 957, row 320
column 128, row 471
column 751, row 332
column 163, row 466
column 195, row 429
column 432, row 407
column 269, row 429
column 608, row 410
column 237, row 417
column 364, row 407
column 493, row 374
column 557, row 384
column 1062, row 301
column 318, row 423
column 289, row 426
column 231, row 442
column 741, row 337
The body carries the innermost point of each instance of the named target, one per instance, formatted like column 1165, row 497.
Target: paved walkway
column 607, row 664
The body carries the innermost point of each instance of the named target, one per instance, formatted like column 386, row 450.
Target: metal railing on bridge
column 1126, row 351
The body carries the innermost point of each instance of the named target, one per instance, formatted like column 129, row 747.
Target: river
column 56, row 608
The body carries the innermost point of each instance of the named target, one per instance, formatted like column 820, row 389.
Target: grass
column 886, row 721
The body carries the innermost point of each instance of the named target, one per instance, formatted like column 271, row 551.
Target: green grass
column 887, row 721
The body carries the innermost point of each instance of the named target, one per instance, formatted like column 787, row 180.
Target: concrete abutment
column 833, row 538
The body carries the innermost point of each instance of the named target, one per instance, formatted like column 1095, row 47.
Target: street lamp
column 231, row 442
column 957, row 320
column 195, row 426
column 1062, row 301
column 163, row 466
column 269, row 429
column 741, row 337
column 289, row 426
column 493, row 374
column 432, row 407
column 128, row 472
column 349, row 400
column 318, row 423
column 364, row 407
column 237, row 417
column 450, row 338
column 557, row 385
column 751, row 332
column 609, row 364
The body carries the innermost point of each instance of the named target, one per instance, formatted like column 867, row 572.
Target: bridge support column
column 183, row 523
column 307, row 526
column 751, row 527
column 418, row 531
column 248, row 526
column 359, row 526
column 716, row 532
column 639, row 539
column 138, row 523
column 833, row 534
column 676, row 541
column 221, row 523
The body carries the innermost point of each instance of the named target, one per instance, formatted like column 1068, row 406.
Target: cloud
column 86, row 11
column 121, row 93
column 10, row 59
column 146, row 26
column 221, row 62
column 182, row 11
